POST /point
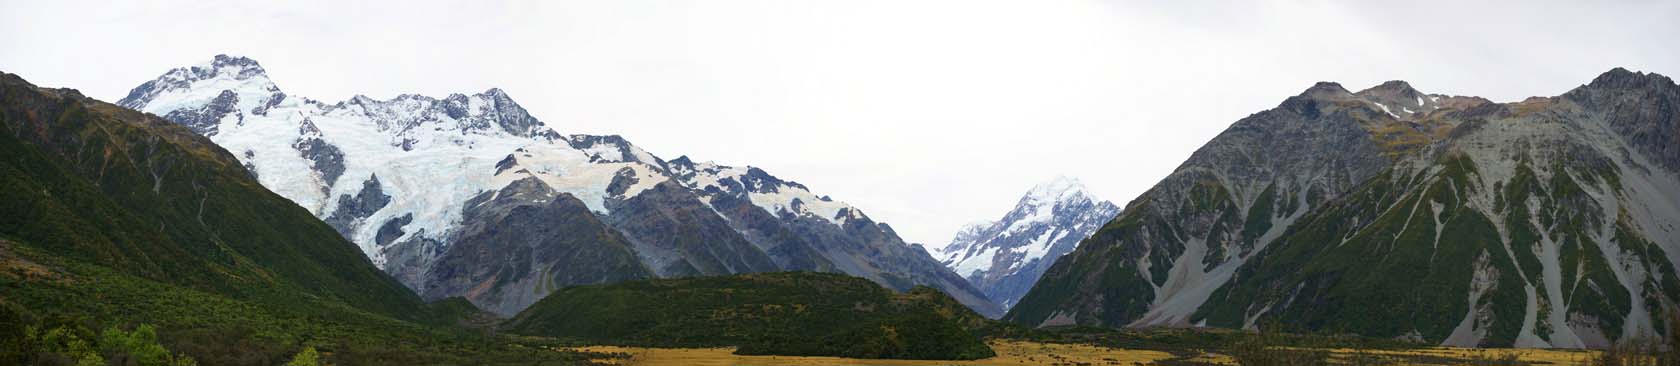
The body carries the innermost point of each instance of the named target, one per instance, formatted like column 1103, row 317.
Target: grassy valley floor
column 1011, row 353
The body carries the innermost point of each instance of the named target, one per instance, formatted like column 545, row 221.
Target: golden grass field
column 1012, row 353
column 1460, row 356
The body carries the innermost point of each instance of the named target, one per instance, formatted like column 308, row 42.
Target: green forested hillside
column 99, row 183
column 784, row 313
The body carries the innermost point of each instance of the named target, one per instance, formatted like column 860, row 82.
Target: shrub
column 75, row 344
column 1266, row 348
column 59, row 345
column 1644, row 351
column 306, row 357
column 1494, row 358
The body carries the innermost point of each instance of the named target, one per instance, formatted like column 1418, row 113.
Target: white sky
column 926, row 115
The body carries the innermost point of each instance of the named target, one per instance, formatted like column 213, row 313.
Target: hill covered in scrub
column 781, row 313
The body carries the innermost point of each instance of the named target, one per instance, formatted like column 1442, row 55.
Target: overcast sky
column 926, row 115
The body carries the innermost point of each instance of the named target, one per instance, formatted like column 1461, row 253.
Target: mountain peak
column 1391, row 87
column 237, row 73
column 1325, row 90
column 1398, row 98
column 1061, row 185
column 234, row 67
column 242, row 63
column 1325, row 86
column 1005, row 257
column 1623, row 78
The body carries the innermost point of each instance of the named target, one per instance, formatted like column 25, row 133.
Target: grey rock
column 351, row 210
column 324, row 158
column 677, row 235
column 207, row 119
column 523, row 242
column 392, row 229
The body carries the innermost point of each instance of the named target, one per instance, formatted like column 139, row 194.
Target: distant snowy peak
column 1060, row 198
column 1003, row 258
column 1061, row 188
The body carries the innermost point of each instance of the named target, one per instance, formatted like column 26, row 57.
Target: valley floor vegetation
column 55, row 311
column 168, row 326
column 1074, row 346
column 1241, row 353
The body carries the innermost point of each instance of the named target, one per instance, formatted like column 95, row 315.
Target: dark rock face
column 207, row 119
column 677, row 235
column 523, row 242
column 273, row 101
column 353, row 209
column 503, row 113
column 621, row 182
column 392, row 229
column 407, row 259
column 325, row 158
column 790, row 251
column 1643, row 108
column 506, row 163
column 510, row 116
column 614, row 148
column 250, row 168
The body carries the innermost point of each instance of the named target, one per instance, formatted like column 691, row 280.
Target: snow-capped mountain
column 469, row 195
column 1005, row 257
column 1388, row 212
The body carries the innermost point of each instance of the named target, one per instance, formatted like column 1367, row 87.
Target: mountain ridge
column 331, row 158
column 1277, row 217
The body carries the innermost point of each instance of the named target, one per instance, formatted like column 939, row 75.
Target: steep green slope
column 99, row 183
column 783, row 313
